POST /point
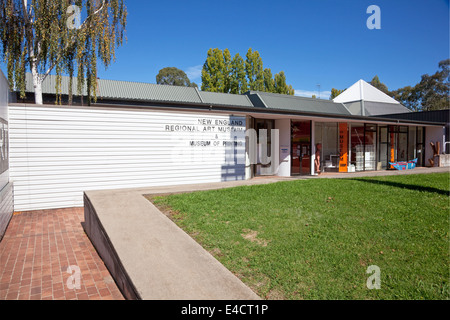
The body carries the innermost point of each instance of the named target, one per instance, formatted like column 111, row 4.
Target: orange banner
column 392, row 151
column 343, row 147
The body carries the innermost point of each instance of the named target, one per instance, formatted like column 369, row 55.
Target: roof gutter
column 139, row 104
column 224, row 108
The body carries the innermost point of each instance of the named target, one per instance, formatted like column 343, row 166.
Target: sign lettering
column 343, row 147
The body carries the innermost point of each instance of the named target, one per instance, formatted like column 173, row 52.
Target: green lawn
column 315, row 238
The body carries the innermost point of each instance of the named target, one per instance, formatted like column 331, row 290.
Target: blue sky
column 322, row 42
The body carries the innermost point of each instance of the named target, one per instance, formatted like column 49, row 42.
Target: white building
column 140, row 135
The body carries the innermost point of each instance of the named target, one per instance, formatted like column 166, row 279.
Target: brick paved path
column 37, row 250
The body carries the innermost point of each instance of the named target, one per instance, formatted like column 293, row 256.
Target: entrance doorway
column 301, row 147
column 400, row 143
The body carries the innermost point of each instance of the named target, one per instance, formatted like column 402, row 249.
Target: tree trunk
column 37, row 84
column 37, row 79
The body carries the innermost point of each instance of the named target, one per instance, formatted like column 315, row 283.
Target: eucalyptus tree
column 431, row 93
column 43, row 36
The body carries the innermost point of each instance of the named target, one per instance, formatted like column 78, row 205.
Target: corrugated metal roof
column 122, row 90
column 137, row 91
column 380, row 108
column 295, row 103
column 439, row 116
column 225, row 99
column 49, row 85
column 147, row 92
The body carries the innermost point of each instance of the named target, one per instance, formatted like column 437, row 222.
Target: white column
column 349, row 146
column 248, row 164
column 313, row 147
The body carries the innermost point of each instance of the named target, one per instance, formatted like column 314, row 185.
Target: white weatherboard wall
column 433, row 134
column 56, row 153
column 6, row 189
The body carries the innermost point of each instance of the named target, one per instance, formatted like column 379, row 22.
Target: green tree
column 254, row 70
column 335, row 93
column 44, row 36
column 174, row 77
column 379, row 85
column 227, row 71
column 220, row 73
column 269, row 83
column 280, row 84
column 238, row 81
column 291, row 90
column 407, row 96
column 216, row 71
column 431, row 93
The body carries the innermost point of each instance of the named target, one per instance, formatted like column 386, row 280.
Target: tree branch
column 83, row 26
column 24, row 10
column 93, row 14
column 28, row 34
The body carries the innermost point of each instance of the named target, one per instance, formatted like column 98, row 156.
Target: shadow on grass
column 405, row 186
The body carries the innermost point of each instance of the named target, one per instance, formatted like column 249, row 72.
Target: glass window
column 419, row 134
column 330, row 149
column 383, row 135
column 383, row 156
column 370, row 159
column 420, row 147
column 393, row 128
column 402, row 152
column 357, row 146
column 383, row 149
column 318, row 132
column 363, row 144
column 412, row 154
column 327, row 134
column 301, row 147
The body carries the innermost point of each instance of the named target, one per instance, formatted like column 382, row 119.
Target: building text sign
column 202, row 139
column 343, row 147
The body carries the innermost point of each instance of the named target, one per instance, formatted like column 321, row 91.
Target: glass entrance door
column 301, row 147
column 398, row 144
column 402, row 144
column 383, row 148
column 420, row 146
